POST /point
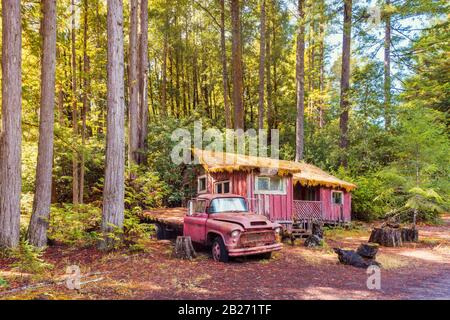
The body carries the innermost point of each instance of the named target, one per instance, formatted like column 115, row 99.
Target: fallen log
column 368, row 250
column 184, row 248
column 388, row 237
column 350, row 257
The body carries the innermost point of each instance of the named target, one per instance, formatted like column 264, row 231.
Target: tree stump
column 388, row 237
column 368, row 250
column 410, row 235
column 317, row 229
column 313, row 241
column 184, row 248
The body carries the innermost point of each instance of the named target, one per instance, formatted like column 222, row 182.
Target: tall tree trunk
column 387, row 69
column 322, row 65
column 300, row 80
column 11, row 129
column 86, row 92
column 345, row 81
column 223, row 55
column 164, row 67
column 75, row 163
column 269, row 59
column 37, row 231
column 262, row 62
column 237, row 65
column 133, row 83
column 113, row 192
column 143, row 75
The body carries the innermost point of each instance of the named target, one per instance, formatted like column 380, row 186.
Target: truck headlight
column 235, row 233
column 278, row 230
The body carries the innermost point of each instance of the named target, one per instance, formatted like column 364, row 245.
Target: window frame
column 273, row 192
column 206, row 184
column 223, row 184
column 332, row 198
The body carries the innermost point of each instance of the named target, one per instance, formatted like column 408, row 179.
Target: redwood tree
column 11, row 129
column 236, row 50
column 133, row 84
column 262, row 63
column 143, row 74
column 113, row 190
column 345, row 80
column 37, row 232
column 300, row 79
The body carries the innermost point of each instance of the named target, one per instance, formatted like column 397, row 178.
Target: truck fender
column 211, row 236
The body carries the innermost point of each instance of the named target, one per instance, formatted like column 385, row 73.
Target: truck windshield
column 228, row 205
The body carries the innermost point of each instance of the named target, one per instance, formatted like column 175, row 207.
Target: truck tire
column 160, row 231
column 266, row 255
column 219, row 251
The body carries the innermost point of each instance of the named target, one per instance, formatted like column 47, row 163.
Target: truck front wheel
column 219, row 251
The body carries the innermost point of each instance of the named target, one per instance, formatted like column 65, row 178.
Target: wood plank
column 171, row 216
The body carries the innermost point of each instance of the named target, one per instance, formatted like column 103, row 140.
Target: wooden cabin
column 284, row 191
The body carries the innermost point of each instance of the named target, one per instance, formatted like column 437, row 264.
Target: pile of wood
column 363, row 257
column 315, row 239
column 392, row 235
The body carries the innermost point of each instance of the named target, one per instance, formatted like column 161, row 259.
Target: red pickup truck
column 224, row 223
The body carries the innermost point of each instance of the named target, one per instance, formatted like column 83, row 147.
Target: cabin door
column 337, row 205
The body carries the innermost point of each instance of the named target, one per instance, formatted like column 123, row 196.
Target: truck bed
column 171, row 217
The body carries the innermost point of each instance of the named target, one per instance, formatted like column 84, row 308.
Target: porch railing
column 307, row 210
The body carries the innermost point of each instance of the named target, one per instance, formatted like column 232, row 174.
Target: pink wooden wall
column 276, row 207
column 331, row 211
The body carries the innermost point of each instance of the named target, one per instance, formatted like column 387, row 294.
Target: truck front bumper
column 254, row 250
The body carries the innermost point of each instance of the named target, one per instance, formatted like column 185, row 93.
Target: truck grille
column 254, row 239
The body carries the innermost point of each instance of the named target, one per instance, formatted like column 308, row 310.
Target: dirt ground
column 415, row 271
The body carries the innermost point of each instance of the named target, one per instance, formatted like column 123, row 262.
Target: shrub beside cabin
column 286, row 192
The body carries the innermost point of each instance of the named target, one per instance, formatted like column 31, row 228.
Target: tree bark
column 113, row 192
column 269, row 94
column 387, row 70
column 133, row 84
column 345, row 81
column 300, row 79
column 37, row 232
column 11, row 130
column 262, row 64
column 143, row 75
column 164, row 68
column 86, row 90
column 75, row 171
column 236, row 51
column 223, row 55
column 322, row 65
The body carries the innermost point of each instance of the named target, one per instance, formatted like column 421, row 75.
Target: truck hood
column 246, row 220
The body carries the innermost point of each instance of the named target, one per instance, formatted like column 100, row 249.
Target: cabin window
column 337, row 197
column 222, row 187
column 202, row 184
column 270, row 185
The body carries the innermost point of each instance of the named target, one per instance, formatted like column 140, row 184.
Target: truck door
column 195, row 224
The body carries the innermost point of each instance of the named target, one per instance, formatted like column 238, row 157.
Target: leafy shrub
column 145, row 191
column 3, row 283
column 77, row 225
column 29, row 258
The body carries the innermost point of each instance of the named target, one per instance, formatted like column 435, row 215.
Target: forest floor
column 415, row 271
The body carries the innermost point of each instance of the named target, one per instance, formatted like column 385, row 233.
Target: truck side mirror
column 190, row 208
